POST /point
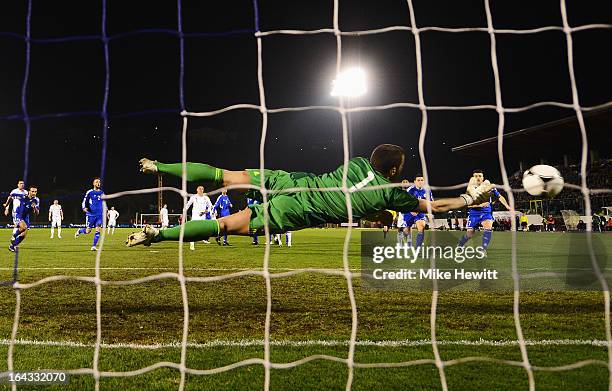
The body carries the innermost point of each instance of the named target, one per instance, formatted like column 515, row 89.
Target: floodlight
column 349, row 83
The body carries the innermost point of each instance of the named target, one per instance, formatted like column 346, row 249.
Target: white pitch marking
column 165, row 268
column 300, row 343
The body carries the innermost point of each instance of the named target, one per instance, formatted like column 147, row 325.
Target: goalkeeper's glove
column 148, row 166
column 477, row 194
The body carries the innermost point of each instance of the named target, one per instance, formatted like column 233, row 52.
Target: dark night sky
column 221, row 71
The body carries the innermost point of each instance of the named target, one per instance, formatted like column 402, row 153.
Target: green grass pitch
column 227, row 318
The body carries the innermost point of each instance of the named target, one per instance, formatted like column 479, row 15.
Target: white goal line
column 301, row 343
column 203, row 269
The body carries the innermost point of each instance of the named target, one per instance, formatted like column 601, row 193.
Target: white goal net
column 268, row 276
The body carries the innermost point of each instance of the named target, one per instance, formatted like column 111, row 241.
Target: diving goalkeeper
column 292, row 211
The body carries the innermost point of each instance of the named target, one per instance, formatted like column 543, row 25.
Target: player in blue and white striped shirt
column 28, row 205
column 13, row 199
column 93, row 206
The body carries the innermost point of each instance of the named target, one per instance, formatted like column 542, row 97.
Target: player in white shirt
column 111, row 215
column 56, row 215
column 201, row 209
column 15, row 195
column 163, row 217
column 402, row 230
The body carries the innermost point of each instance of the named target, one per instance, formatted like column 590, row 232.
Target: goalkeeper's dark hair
column 418, row 175
column 386, row 156
column 478, row 171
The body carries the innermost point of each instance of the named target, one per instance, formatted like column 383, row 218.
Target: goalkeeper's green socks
column 194, row 231
column 195, row 171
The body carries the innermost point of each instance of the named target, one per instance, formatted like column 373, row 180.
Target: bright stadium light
column 349, row 83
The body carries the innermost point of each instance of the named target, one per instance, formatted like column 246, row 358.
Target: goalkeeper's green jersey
column 302, row 209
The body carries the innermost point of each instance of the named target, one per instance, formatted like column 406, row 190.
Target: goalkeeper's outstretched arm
column 473, row 195
column 442, row 204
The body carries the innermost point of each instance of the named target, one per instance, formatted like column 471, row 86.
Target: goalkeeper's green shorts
column 285, row 210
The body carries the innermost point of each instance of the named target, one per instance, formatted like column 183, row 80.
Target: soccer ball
column 543, row 180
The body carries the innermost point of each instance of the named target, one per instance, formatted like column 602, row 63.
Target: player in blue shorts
column 93, row 207
column 13, row 198
column 27, row 205
column 482, row 214
column 419, row 219
column 224, row 204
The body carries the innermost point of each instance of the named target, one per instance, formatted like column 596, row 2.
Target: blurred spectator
column 602, row 222
column 524, row 221
column 517, row 222
column 596, row 223
column 550, row 223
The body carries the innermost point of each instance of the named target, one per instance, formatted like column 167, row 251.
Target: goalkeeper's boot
column 12, row 248
column 94, row 248
column 76, row 234
column 148, row 166
column 144, row 237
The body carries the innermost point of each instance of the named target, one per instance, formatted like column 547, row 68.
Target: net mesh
column 343, row 111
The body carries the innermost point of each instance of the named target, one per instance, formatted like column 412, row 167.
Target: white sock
column 59, row 232
column 51, row 231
